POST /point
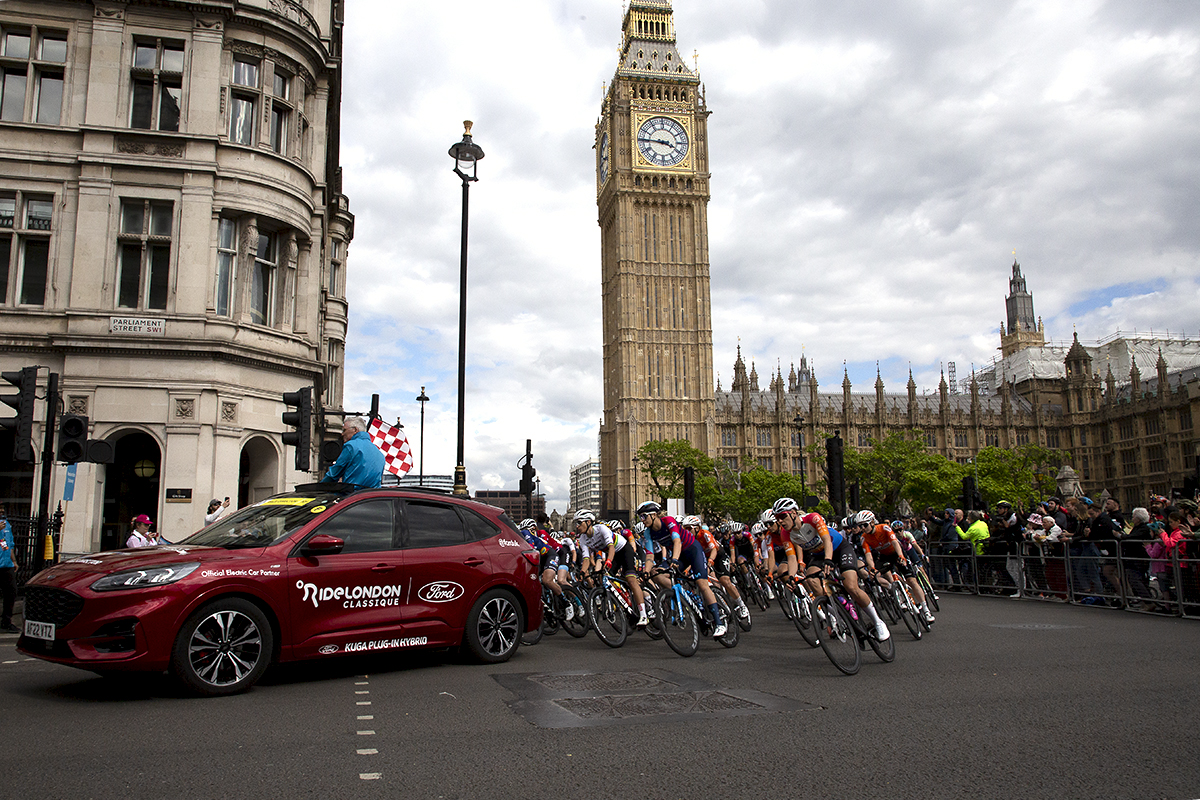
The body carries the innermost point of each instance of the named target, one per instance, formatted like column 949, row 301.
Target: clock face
column 662, row 141
column 604, row 158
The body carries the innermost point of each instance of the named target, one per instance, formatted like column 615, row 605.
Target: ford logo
column 328, row 649
column 440, row 592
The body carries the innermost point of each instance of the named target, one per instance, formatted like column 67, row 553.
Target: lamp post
column 422, row 399
column 798, row 421
column 466, row 155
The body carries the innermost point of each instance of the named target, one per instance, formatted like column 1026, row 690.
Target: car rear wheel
column 223, row 648
column 494, row 627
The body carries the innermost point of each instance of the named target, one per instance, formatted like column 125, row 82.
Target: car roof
column 420, row 492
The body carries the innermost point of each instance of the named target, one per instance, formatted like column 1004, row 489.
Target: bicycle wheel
column 653, row 629
column 678, row 623
column 927, row 587
column 805, row 623
column 907, row 612
column 886, row 650
column 787, row 600
column 532, row 637
column 882, row 598
column 730, row 639
column 577, row 625
column 607, row 617
column 757, row 590
column 838, row 639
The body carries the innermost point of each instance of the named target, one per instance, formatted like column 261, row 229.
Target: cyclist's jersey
column 537, row 542
column 811, row 530
column 597, row 540
column 668, row 532
column 707, row 542
column 881, row 541
column 781, row 542
column 550, row 539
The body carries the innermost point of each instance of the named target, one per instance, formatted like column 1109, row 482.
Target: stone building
column 173, row 243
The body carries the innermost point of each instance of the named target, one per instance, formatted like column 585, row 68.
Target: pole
column 460, row 470
column 422, row 399
column 39, row 553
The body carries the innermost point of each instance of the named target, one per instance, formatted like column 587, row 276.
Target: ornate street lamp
column 466, row 155
column 422, row 399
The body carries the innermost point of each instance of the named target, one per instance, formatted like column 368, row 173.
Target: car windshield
column 264, row 523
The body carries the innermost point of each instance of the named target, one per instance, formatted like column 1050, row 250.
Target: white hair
column 358, row 423
column 1140, row 515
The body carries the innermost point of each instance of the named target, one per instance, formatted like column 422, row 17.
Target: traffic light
column 72, row 438
column 968, row 493
column 835, row 472
column 330, row 450
column 527, row 475
column 301, row 420
column 22, row 425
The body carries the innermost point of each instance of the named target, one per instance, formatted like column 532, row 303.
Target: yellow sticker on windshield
column 287, row 501
column 317, row 509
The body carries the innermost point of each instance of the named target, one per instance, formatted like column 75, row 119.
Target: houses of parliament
column 1123, row 407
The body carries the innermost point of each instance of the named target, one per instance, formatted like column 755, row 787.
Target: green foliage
column 1021, row 475
column 664, row 462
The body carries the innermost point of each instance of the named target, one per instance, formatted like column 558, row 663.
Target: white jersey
column 597, row 540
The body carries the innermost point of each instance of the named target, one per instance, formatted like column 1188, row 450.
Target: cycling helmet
column 616, row 524
column 767, row 517
column 864, row 517
column 758, row 529
column 528, row 525
column 639, row 528
column 783, row 505
column 649, row 507
column 581, row 516
column 845, row 523
column 897, row 525
column 690, row 520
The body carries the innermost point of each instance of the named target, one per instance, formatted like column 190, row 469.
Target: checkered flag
column 397, row 455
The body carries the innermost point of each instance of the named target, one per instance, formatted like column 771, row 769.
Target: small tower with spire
column 1024, row 329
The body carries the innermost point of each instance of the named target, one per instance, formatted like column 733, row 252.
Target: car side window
column 477, row 527
column 432, row 525
column 365, row 527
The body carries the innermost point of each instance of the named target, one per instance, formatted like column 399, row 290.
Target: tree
column 664, row 462
column 1021, row 475
column 884, row 471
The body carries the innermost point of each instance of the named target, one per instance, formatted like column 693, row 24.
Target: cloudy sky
column 874, row 166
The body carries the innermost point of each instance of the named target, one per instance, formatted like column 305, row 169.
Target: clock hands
column 666, row 142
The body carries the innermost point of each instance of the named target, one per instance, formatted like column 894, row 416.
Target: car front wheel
column 223, row 648
column 494, row 627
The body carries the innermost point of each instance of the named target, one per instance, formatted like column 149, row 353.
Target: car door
column 446, row 567
column 349, row 601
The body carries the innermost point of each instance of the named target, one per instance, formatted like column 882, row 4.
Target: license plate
column 39, row 630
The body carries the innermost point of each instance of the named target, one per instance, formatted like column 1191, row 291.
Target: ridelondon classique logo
column 352, row 596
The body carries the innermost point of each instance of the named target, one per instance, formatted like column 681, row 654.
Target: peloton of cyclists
column 684, row 552
column 602, row 546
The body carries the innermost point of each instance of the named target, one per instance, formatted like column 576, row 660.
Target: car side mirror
column 323, row 545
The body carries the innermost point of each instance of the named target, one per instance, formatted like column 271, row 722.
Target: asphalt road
column 1004, row 699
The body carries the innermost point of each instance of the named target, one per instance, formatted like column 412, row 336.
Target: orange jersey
column 781, row 539
column 882, row 540
column 706, row 540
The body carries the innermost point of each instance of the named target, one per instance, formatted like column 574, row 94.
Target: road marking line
column 366, row 733
column 369, row 751
column 361, row 683
column 363, row 691
column 370, row 776
column 363, row 703
column 367, row 716
column 10, row 662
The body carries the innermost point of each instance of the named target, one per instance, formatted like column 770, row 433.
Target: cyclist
column 825, row 551
column 880, row 540
column 718, row 559
column 548, row 551
column 685, row 551
column 610, row 547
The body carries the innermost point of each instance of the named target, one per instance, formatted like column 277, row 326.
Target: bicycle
column 912, row 617
column 750, row 584
column 803, row 605
column 609, row 606
column 927, row 587
column 681, row 616
column 843, row 632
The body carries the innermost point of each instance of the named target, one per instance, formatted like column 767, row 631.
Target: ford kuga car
column 314, row 573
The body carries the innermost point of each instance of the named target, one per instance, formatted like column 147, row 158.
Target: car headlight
column 144, row 578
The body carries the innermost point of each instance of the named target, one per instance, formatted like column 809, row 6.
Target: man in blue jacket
column 361, row 462
column 8, row 573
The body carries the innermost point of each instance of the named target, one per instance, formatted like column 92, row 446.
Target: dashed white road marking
column 11, row 662
column 361, row 683
column 370, row 776
column 367, row 716
column 365, row 751
column 363, row 703
column 366, row 733
column 369, row 751
column 363, row 691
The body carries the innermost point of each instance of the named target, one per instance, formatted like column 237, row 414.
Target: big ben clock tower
column 652, row 192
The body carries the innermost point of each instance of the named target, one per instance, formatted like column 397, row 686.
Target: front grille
column 51, row 605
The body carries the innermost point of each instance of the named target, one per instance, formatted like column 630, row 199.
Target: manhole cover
column 1037, row 626
column 603, row 682
column 645, row 705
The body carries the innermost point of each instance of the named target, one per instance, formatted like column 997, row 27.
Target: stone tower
column 1024, row 330
column 652, row 190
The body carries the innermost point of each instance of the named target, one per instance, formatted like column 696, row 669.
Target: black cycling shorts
column 721, row 566
column 843, row 556
column 625, row 560
column 885, row 562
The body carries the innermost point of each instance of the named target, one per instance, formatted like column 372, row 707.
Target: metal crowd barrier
column 1076, row 573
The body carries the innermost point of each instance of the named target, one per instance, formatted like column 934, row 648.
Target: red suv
column 317, row 572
